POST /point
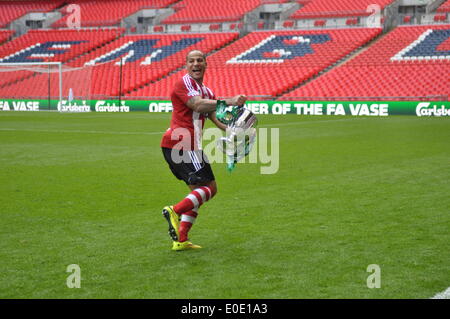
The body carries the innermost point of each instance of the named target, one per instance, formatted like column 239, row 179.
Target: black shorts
column 192, row 167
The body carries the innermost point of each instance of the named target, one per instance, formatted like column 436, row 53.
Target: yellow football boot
column 173, row 220
column 186, row 245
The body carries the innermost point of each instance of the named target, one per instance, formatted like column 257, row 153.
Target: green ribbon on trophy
column 240, row 133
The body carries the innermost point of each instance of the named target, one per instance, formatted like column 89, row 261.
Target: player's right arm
column 200, row 105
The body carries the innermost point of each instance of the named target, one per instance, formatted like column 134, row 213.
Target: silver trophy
column 240, row 135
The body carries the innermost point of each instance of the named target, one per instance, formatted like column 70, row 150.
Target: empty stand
column 410, row 62
column 336, row 8
column 445, row 7
column 144, row 58
column 200, row 11
column 5, row 35
column 150, row 66
column 47, row 46
column 103, row 13
column 44, row 84
column 264, row 64
column 12, row 10
column 55, row 45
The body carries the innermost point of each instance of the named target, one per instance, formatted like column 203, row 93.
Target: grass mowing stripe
column 80, row 131
column 347, row 195
column 312, row 122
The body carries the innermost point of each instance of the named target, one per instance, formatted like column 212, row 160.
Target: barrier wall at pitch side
column 351, row 108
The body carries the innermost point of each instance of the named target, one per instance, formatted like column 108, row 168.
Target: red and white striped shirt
column 186, row 126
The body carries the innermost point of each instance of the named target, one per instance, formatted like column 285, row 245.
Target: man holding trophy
column 193, row 102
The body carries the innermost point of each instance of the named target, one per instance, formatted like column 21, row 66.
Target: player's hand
column 239, row 100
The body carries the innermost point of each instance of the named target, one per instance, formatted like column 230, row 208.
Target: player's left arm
column 213, row 118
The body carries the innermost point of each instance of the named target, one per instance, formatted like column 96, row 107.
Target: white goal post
column 37, row 67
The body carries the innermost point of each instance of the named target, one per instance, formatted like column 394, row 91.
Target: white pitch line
column 80, row 131
column 443, row 295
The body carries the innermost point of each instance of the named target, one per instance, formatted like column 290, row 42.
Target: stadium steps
column 7, row 38
column 18, row 80
column 354, row 54
column 63, row 4
column 344, row 60
column 154, row 81
column 178, row 69
column 174, row 4
column 12, row 37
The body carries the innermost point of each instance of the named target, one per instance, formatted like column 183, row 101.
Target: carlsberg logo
column 424, row 109
column 66, row 106
column 106, row 106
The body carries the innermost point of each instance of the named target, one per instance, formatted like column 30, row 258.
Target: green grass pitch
column 88, row 189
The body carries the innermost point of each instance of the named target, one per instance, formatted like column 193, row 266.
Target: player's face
column 196, row 65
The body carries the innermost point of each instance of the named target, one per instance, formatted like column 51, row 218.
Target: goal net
column 51, row 85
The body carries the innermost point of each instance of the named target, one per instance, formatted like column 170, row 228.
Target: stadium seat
column 214, row 27
column 320, row 23
column 12, row 10
column 200, row 11
column 143, row 71
column 5, row 35
column 440, row 17
column 264, row 71
column 387, row 70
column 351, row 21
column 409, row 62
column 336, row 8
column 444, row 7
column 107, row 13
column 186, row 27
column 288, row 24
column 48, row 46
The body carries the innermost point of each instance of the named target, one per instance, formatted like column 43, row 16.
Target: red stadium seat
column 186, row 27
column 12, row 10
column 379, row 72
column 336, row 8
column 288, row 24
column 264, row 79
column 351, row 21
column 214, row 27
column 374, row 74
column 5, row 35
column 139, row 77
column 445, row 7
column 200, row 11
column 440, row 17
column 319, row 23
column 101, row 13
column 88, row 41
